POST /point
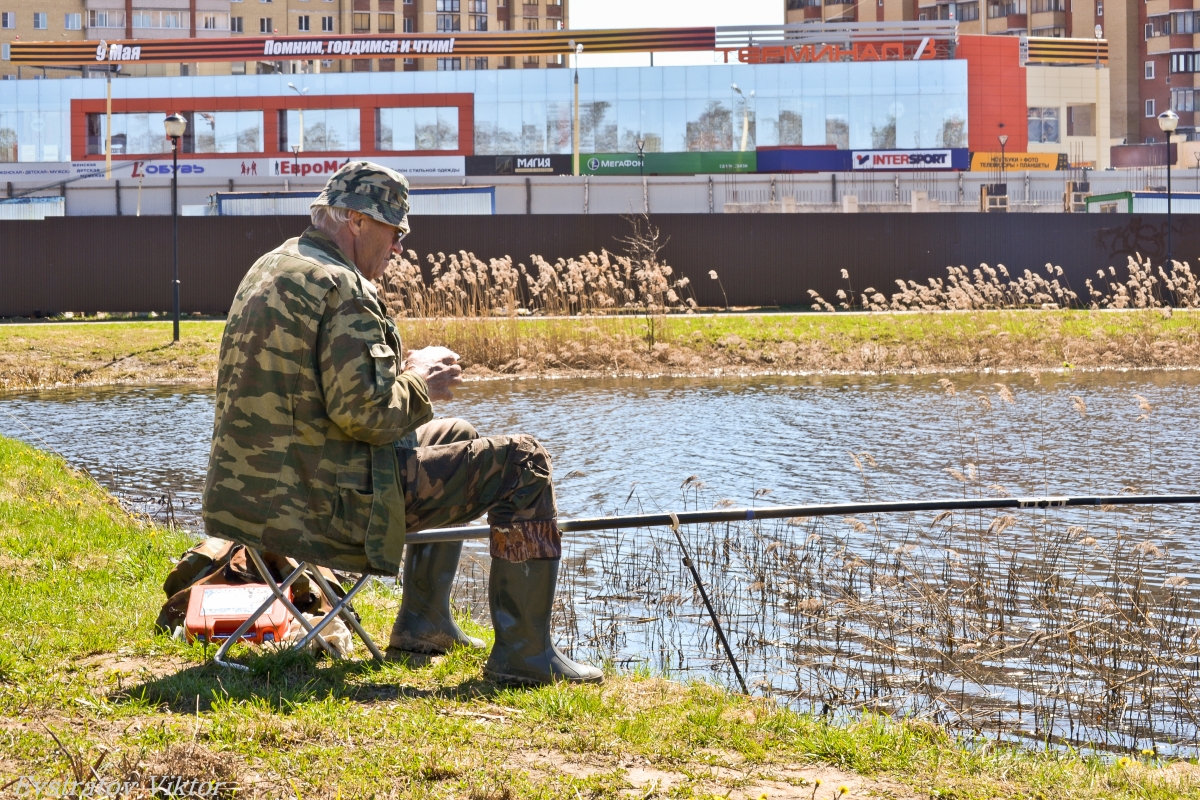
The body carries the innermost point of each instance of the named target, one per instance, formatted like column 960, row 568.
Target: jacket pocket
column 355, row 501
column 385, row 365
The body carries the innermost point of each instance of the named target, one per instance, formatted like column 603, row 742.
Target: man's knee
column 445, row 431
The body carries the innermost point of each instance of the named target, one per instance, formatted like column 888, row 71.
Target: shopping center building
column 924, row 101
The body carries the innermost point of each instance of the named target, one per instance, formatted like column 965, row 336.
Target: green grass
column 81, row 670
column 36, row 355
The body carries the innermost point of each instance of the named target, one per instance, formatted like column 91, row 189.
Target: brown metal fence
column 88, row 264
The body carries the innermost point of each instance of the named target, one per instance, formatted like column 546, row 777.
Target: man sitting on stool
column 324, row 449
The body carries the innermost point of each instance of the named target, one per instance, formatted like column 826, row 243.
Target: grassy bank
column 85, row 685
column 141, row 352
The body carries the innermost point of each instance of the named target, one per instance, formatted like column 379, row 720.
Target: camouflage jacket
column 310, row 400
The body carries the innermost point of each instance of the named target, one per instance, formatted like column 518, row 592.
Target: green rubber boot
column 425, row 624
column 521, row 596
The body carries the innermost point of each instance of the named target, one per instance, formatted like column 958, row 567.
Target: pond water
column 626, row 443
column 828, row 614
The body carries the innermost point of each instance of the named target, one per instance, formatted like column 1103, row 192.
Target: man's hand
column 439, row 367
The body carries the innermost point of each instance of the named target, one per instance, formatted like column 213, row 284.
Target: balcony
column 530, row 9
column 554, row 10
column 836, row 11
column 1004, row 24
column 1049, row 19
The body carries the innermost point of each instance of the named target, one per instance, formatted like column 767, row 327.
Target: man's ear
column 355, row 223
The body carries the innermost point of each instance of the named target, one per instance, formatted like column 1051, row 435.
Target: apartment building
column 38, row 20
column 1142, row 37
column 54, row 20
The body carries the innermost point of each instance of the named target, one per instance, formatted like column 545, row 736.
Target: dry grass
column 994, row 288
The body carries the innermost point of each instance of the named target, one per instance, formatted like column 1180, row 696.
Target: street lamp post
column 576, row 49
column 302, row 93
column 745, row 114
column 176, row 126
column 1167, row 121
column 1003, row 162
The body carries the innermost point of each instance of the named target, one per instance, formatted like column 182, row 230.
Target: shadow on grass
column 83, row 373
column 285, row 679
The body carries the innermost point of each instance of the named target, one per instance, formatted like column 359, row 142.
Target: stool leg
column 278, row 593
column 346, row 613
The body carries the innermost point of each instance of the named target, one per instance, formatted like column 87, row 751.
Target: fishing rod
column 675, row 519
column 823, row 510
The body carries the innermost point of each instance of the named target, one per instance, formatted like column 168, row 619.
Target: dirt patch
column 641, row 778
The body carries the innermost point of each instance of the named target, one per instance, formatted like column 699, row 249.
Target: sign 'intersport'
column 892, row 160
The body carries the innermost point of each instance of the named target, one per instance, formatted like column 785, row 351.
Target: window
column 1100, row 8
column 72, row 22
column 1057, row 32
column 967, row 12
column 1149, row 70
column 1043, row 126
column 302, row 23
column 477, row 6
column 448, row 5
column 531, row 24
column 1183, row 99
column 1005, row 8
column 410, row 25
column 207, row 132
column 330, row 130
column 1049, row 5
column 214, row 22
column 1150, row 108
column 172, row 19
column 387, row 23
column 1149, row 31
column 8, row 19
column 448, row 64
column 5, row 55
column 478, row 22
column 236, row 25
column 361, row 23
column 265, row 25
column 327, row 24
column 100, row 18
column 478, row 62
column 145, row 19
column 410, row 129
column 449, row 22
column 39, row 20
column 1081, row 121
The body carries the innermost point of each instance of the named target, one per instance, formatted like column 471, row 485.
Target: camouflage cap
column 371, row 189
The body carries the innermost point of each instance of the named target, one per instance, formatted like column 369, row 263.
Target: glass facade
column 874, row 105
column 207, row 132
column 325, row 129
column 417, row 128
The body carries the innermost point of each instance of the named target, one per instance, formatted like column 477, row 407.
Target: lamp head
column 291, row 85
column 1099, row 32
column 176, row 126
column 1167, row 121
column 578, row 49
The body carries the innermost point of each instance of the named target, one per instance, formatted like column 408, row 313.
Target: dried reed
column 993, row 288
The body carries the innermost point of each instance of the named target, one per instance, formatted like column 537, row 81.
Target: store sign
column 918, row 50
column 667, row 163
column 892, row 160
column 796, row 159
column 519, row 165
column 219, row 170
column 981, row 162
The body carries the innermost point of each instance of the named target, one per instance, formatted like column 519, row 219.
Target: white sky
column 667, row 14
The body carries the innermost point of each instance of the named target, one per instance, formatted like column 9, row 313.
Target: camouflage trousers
column 453, row 475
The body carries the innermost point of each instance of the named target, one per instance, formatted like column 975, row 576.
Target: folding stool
column 341, row 607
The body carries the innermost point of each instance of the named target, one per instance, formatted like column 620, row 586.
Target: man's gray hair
column 329, row 219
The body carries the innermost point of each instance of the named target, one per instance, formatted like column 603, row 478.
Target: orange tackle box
column 216, row 611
